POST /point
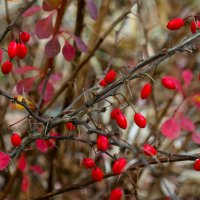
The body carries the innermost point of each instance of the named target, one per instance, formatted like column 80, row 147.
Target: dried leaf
column 170, row 129
column 1, row 55
column 44, row 27
column 53, row 3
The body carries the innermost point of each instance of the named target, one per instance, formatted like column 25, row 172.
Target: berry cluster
column 177, row 23
column 15, row 50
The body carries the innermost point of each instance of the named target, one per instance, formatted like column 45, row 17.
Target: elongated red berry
column 193, row 27
column 197, row 165
column 24, row 36
column 175, row 24
column 115, row 112
column 121, row 121
column 140, row 120
column 12, row 49
column 110, row 76
column 119, row 165
column 97, row 174
column 116, row 194
column 168, row 83
column 102, row 83
column 146, row 91
column 6, row 67
column 16, row 140
column 102, row 143
column 88, row 163
column 70, row 126
column 21, row 50
column 149, row 150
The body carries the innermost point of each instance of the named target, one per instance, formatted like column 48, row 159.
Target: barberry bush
column 99, row 100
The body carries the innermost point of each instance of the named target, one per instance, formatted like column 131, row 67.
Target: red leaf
column 187, row 77
column 68, row 51
column 80, row 44
column 52, row 47
column 24, row 69
column 22, row 163
column 25, row 85
column 1, row 55
column 37, row 169
column 31, row 11
column 4, row 160
column 25, row 183
column 44, row 27
column 49, row 91
column 196, row 138
column 41, row 145
column 47, row 7
column 186, row 124
column 56, row 76
column 92, row 9
column 170, row 129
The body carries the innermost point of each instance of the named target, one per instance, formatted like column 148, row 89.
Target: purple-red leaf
column 81, row 44
column 1, row 55
column 25, row 85
column 187, row 77
column 68, row 51
column 49, row 91
column 46, row 6
column 24, row 69
column 44, row 27
column 25, row 183
column 22, row 163
column 196, row 138
column 31, row 11
column 170, row 129
column 52, row 47
column 37, row 169
column 186, row 124
column 4, row 160
column 92, row 9
column 41, row 145
column 56, row 76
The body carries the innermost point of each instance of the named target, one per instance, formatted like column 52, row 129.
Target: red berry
column 197, row 165
column 6, row 67
column 16, row 140
column 110, row 76
column 115, row 112
column 121, row 121
column 140, row 120
column 119, row 165
column 102, row 143
column 116, row 194
column 88, row 163
column 97, row 174
column 149, row 150
column 102, row 83
column 70, row 126
column 168, row 83
column 21, row 50
column 193, row 27
column 12, row 49
column 146, row 91
column 24, row 37
column 175, row 24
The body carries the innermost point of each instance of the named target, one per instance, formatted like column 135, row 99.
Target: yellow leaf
column 54, row 3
